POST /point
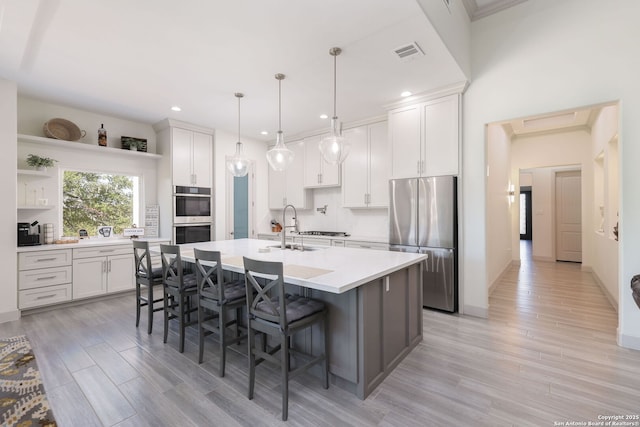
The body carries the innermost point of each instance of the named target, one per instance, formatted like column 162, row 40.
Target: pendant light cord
column 279, row 105
column 334, row 86
column 238, row 119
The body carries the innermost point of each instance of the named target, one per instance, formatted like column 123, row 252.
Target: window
column 91, row 200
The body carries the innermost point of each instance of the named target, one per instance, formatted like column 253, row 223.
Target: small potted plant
column 40, row 163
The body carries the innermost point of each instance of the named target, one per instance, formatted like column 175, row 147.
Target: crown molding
column 455, row 88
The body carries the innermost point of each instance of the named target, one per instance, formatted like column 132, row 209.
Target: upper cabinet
column 424, row 138
column 192, row 158
column 286, row 187
column 317, row 172
column 366, row 170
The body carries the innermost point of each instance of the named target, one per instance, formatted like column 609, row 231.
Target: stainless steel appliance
column 191, row 233
column 423, row 219
column 192, row 205
column 27, row 237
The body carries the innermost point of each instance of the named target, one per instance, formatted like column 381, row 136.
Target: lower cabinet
column 98, row 271
column 44, row 278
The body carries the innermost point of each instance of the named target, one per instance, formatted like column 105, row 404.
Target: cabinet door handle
column 46, row 278
column 45, row 259
column 109, row 266
column 418, row 166
column 45, row 296
column 104, row 266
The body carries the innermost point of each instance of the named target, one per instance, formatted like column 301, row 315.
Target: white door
column 89, row 277
column 182, row 157
column 404, row 134
column 568, row 216
column 202, row 159
column 355, row 168
column 120, row 273
column 378, row 165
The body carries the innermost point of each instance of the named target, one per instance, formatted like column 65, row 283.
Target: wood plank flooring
column 546, row 354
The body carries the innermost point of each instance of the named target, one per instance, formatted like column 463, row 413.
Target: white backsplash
column 357, row 222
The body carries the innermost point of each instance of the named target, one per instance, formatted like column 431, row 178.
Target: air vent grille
column 408, row 52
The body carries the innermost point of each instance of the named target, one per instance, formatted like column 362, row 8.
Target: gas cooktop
column 324, row 233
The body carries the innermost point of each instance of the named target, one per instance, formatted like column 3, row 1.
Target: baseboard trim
column 604, row 289
column 494, row 285
column 471, row 310
column 9, row 316
column 544, row 259
column 628, row 341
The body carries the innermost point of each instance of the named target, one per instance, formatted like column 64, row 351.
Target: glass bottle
column 102, row 136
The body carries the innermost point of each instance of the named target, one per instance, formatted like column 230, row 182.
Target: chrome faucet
column 285, row 226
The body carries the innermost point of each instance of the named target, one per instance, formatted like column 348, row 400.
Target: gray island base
column 374, row 299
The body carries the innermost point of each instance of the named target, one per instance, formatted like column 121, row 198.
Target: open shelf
column 35, row 207
column 50, row 142
column 33, row 172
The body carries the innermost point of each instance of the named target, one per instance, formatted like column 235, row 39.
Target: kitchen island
column 374, row 299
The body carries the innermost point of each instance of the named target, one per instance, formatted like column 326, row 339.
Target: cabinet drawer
column 103, row 251
column 30, row 279
column 44, row 259
column 368, row 245
column 44, row 296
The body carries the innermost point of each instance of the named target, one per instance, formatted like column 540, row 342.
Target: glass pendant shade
column 280, row 157
column 334, row 147
column 238, row 165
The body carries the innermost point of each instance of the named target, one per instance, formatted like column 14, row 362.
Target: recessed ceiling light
column 264, row 132
column 324, row 116
column 176, row 108
column 405, row 94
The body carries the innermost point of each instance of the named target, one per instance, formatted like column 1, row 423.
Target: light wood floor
column 547, row 353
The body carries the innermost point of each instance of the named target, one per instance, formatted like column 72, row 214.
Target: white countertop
column 348, row 267
column 84, row 243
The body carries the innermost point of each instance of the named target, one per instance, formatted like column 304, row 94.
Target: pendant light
column 280, row 157
column 238, row 165
column 335, row 147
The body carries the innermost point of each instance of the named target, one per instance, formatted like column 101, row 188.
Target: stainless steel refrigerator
column 423, row 219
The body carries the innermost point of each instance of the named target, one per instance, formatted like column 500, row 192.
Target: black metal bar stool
column 274, row 313
column 219, row 297
column 148, row 276
column 178, row 290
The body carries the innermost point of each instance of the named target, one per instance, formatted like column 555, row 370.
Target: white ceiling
column 135, row 59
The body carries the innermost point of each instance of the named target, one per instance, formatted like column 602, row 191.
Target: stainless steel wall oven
column 192, row 205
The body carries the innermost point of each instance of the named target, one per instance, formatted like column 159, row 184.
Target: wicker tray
column 62, row 129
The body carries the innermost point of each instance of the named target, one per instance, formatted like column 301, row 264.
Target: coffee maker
column 25, row 236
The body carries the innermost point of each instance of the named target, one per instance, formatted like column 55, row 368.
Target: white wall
column 541, row 56
column 499, row 244
column 8, row 232
column 31, row 116
column 365, row 223
column 605, row 247
column 552, row 152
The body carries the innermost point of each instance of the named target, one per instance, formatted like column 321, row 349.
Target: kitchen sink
column 297, row 247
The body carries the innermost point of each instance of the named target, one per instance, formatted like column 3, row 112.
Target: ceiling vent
column 408, row 52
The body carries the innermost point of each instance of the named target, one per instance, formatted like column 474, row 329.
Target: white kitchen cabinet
column 366, row 171
column 44, row 277
column 191, row 158
column 424, row 138
column 101, row 270
column 317, row 172
column 287, row 187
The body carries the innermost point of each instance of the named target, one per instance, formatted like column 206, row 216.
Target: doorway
column 526, row 221
column 569, row 216
column 240, row 203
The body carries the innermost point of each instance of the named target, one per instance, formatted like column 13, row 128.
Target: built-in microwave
column 191, row 205
column 191, row 233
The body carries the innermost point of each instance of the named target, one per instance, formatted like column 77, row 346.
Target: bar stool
column 280, row 317
column 218, row 296
column 178, row 290
column 149, row 276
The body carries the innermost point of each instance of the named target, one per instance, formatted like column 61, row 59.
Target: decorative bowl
column 62, row 129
